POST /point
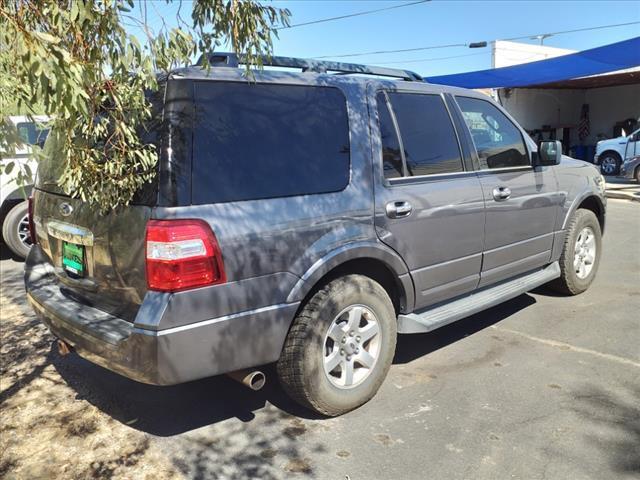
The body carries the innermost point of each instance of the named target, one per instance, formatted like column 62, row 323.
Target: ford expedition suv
column 307, row 218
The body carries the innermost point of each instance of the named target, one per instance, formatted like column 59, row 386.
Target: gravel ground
column 541, row 387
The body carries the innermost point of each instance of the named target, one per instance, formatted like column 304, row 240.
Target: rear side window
column 498, row 141
column 428, row 136
column 391, row 156
column 254, row 141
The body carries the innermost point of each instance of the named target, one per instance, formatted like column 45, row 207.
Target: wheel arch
column 373, row 260
column 611, row 151
column 589, row 201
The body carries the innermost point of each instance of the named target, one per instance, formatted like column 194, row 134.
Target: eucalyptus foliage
column 76, row 60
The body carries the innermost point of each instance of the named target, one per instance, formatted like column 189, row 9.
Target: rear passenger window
column 391, row 157
column 428, row 136
column 498, row 141
column 254, row 141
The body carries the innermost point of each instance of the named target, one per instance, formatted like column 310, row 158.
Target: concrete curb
column 622, row 195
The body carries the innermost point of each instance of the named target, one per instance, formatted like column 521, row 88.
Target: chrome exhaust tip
column 64, row 348
column 254, row 379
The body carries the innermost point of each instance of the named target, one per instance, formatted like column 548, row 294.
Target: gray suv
column 306, row 218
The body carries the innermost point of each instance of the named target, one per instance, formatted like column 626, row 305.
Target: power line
column 433, row 47
column 378, row 52
column 571, row 31
column 357, row 14
column 432, row 59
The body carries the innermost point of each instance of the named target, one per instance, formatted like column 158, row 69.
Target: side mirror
column 549, row 153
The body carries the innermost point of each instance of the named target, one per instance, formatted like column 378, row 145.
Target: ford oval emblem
column 65, row 209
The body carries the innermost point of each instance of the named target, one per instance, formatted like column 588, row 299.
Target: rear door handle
column 500, row 194
column 398, row 209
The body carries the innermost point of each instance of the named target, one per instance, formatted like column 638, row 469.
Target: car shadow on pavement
column 167, row 411
column 171, row 410
column 6, row 254
column 410, row 347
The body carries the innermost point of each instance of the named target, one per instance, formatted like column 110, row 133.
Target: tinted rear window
column 51, row 166
column 429, row 140
column 254, row 141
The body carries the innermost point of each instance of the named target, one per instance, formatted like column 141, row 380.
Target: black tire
column 301, row 365
column 13, row 228
column 637, row 174
column 610, row 163
column 569, row 282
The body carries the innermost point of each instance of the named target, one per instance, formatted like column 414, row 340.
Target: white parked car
column 611, row 153
column 13, row 197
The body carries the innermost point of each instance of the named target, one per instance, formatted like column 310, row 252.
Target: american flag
column 584, row 127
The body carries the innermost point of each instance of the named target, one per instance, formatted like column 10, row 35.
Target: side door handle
column 500, row 194
column 398, row 209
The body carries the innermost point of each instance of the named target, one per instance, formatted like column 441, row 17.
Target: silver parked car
column 306, row 218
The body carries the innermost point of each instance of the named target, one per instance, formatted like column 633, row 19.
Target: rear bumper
column 160, row 356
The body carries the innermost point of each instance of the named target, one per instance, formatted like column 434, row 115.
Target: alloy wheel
column 352, row 346
column 584, row 255
column 609, row 165
column 23, row 231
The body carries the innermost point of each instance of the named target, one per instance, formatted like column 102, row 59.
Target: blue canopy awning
column 608, row 58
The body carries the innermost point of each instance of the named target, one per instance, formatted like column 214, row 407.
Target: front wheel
column 340, row 346
column 610, row 164
column 580, row 255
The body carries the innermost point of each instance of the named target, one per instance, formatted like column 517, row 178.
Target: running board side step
column 437, row 317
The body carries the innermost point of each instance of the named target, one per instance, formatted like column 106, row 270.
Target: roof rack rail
column 224, row 59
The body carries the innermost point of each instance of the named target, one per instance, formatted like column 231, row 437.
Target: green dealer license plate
column 73, row 258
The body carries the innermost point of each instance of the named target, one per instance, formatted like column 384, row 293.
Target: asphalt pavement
column 540, row 387
column 622, row 189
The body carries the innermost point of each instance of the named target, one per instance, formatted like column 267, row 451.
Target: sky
column 428, row 24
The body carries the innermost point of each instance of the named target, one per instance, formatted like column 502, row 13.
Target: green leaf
column 46, row 37
column 80, row 63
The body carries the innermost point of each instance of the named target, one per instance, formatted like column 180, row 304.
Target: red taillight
column 182, row 254
column 32, row 226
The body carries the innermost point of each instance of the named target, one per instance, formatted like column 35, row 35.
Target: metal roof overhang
column 567, row 71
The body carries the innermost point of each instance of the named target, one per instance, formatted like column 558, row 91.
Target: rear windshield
column 51, row 166
column 32, row 134
column 254, row 141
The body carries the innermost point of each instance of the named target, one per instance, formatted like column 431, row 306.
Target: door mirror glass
column 549, row 153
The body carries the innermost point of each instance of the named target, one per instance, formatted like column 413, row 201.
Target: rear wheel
column 580, row 255
column 610, row 164
column 15, row 230
column 637, row 174
column 340, row 346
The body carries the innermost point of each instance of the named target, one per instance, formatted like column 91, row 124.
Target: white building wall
column 533, row 108
column 559, row 108
column 506, row 53
column 610, row 105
